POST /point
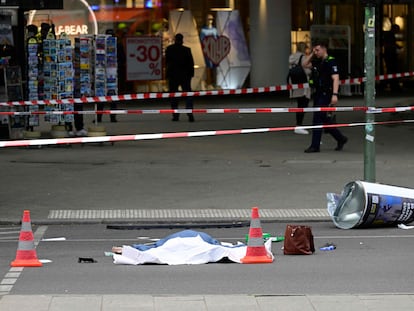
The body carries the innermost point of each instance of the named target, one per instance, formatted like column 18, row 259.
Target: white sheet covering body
column 191, row 250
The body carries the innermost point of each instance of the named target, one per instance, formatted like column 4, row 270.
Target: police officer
column 326, row 85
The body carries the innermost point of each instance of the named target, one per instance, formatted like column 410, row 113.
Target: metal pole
column 369, row 152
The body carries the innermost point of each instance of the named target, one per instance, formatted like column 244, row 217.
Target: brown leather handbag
column 298, row 240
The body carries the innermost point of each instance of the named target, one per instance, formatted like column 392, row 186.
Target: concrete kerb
column 160, row 223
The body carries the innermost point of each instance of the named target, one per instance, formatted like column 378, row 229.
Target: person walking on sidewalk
column 78, row 120
column 325, row 79
column 302, row 95
column 179, row 71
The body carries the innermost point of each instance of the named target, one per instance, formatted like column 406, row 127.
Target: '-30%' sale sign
column 144, row 58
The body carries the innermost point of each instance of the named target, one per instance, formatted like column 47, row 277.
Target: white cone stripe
column 255, row 223
column 255, row 242
column 26, row 226
column 25, row 246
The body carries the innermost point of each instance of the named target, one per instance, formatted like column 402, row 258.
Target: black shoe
column 341, row 144
column 113, row 119
column 176, row 117
column 311, row 150
column 190, row 117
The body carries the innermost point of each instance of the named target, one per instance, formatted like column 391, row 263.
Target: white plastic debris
column 405, row 227
column 54, row 239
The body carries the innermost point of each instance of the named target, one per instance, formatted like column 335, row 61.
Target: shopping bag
column 298, row 240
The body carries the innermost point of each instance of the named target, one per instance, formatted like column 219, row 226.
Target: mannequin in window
column 207, row 31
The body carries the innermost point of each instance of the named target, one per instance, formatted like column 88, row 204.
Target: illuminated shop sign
column 77, row 18
column 72, row 30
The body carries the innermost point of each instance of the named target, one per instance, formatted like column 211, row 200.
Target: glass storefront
column 351, row 13
column 136, row 17
column 126, row 18
column 151, row 17
column 395, row 24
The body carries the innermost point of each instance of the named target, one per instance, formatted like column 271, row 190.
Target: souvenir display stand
column 58, row 71
column 83, row 66
column 58, row 81
column 106, row 82
column 96, row 70
column 4, row 119
column 106, row 68
column 33, row 72
column 12, row 126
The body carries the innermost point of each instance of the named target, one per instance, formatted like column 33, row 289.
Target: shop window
column 302, row 15
column 394, row 33
column 341, row 14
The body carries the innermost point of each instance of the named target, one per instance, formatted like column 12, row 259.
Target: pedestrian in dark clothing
column 179, row 71
column 326, row 83
column 391, row 54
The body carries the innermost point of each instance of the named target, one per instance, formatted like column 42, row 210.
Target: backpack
column 297, row 74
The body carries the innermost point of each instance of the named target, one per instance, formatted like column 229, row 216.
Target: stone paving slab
column 378, row 302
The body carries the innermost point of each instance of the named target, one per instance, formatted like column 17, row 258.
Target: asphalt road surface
column 365, row 261
column 269, row 170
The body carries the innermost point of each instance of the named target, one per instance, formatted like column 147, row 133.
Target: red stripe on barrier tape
column 214, row 110
column 128, row 97
column 205, row 111
column 101, row 139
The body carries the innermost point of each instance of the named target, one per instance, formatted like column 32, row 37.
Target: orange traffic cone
column 26, row 253
column 256, row 251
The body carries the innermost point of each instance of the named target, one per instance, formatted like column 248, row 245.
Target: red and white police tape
column 212, row 111
column 169, row 111
column 156, row 95
column 103, row 139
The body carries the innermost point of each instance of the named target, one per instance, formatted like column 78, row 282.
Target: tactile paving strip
column 189, row 214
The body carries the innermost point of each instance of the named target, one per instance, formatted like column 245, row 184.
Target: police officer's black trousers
column 321, row 118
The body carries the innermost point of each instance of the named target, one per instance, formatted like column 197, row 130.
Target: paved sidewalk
column 208, row 303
